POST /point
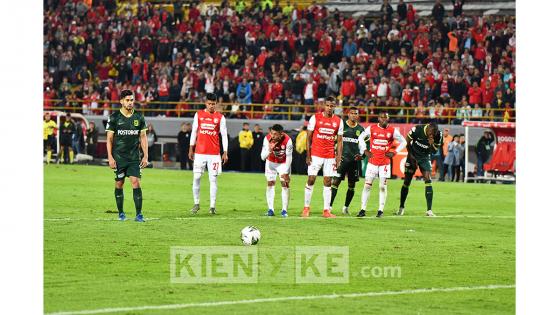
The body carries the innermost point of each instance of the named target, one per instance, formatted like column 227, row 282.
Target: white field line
column 318, row 217
column 282, row 299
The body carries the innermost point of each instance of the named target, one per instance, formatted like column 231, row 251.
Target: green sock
column 349, row 196
column 137, row 195
column 429, row 195
column 119, row 197
column 334, row 190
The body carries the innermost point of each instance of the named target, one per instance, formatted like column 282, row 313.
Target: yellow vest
column 48, row 129
column 245, row 139
column 301, row 141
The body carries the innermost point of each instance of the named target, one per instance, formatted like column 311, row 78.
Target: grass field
column 92, row 262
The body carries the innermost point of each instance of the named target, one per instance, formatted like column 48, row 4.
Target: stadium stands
column 445, row 65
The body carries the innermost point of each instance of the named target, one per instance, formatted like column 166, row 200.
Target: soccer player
column 204, row 149
column 66, row 131
column 324, row 131
column 350, row 165
column 421, row 142
column 126, row 131
column 49, row 141
column 381, row 138
column 277, row 151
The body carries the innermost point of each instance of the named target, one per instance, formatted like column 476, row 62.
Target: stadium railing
column 403, row 114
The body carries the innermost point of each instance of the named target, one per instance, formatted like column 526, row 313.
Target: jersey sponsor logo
column 347, row 139
column 379, row 147
column 326, row 137
column 136, row 123
column 326, row 130
column 425, row 146
column 208, row 132
column 128, row 132
column 506, row 139
column 380, row 141
column 207, row 126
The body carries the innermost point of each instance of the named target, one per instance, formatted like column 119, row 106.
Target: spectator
column 77, row 137
column 243, row 92
column 386, row 11
column 348, row 87
column 476, row 113
column 447, row 138
column 438, row 11
column 257, row 165
column 183, row 141
column 475, row 94
column 152, row 139
column 483, row 151
column 299, row 164
column 92, row 135
column 461, row 167
column 401, row 10
column 350, row 48
column 245, row 144
column 458, row 7
column 452, row 159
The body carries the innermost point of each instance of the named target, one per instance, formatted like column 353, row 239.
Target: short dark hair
column 211, row 97
column 277, row 127
column 433, row 124
column 245, row 124
column 331, row 99
column 352, row 108
column 383, row 111
column 125, row 93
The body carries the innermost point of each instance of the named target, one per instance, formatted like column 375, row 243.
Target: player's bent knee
column 271, row 183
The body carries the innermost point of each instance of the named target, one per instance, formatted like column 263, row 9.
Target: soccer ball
column 250, row 235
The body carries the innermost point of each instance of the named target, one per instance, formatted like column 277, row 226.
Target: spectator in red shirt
column 475, row 94
column 348, row 87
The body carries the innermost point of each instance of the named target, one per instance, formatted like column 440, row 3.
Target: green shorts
column 126, row 169
column 412, row 164
column 350, row 168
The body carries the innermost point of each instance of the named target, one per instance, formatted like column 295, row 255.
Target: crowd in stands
column 258, row 52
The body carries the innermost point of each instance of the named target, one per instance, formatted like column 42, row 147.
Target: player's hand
column 271, row 146
column 357, row 157
column 191, row 154
column 308, row 159
column 144, row 162
column 389, row 154
column 224, row 158
column 368, row 154
column 112, row 163
column 431, row 140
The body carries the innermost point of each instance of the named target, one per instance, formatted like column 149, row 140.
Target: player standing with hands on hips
column 204, row 149
column 323, row 132
column 126, row 131
column 381, row 138
column 277, row 151
column 421, row 142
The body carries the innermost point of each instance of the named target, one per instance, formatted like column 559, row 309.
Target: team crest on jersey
column 334, row 125
column 136, row 123
column 215, row 120
column 358, row 133
column 375, row 133
column 283, row 147
column 388, row 135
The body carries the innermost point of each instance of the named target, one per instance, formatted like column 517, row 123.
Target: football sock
column 334, row 190
column 308, row 194
column 429, row 194
column 285, row 198
column 71, row 156
column 213, row 190
column 382, row 193
column 270, row 197
column 49, row 154
column 365, row 195
column 137, row 196
column 349, row 196
column 404, row 194
column 119, row 198
column 326, row 197
column 196, row 187
column 61, row 154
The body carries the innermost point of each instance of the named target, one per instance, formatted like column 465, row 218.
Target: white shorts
column 383, row 171
column 272, row 169
column 212, row 162
column 328, row 165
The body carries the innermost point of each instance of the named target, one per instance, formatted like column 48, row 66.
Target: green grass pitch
column 94, row 262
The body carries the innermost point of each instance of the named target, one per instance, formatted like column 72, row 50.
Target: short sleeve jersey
column 325, row 130
column 126, row 141
column 350, row 145
column 421, row 148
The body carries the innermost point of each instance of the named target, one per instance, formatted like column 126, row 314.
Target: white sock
column 270, row 197
column 285, row 198
column 382, row 193
column 365, row 195
column 196, row 187
column 327, row 198
column 213, row 190
column 308, row 194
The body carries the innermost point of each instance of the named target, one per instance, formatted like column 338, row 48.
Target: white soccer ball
column 250, row 235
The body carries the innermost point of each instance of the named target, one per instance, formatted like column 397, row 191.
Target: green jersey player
column 421, row 142
column 351, row 157
column 126, row 132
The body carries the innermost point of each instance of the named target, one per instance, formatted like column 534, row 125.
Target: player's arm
column 402, row 143
column 265, row 149
column 289, row 151
column 409, row 139
column 362, row 142
column 111, row 127
column 144, row 147
column 223, row 132
column 194, row 133
column 436, row 144
column 339, row 144
column 310, row 128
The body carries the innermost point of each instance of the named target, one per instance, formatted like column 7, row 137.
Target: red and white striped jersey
column 325, row 130
column 281, row 152
column 206, row 131
column 381, row 141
